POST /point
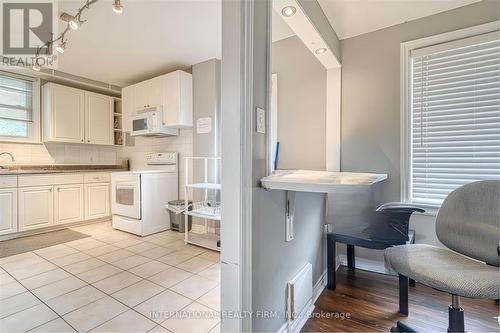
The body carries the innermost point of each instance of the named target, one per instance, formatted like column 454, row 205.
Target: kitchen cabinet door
column 68, row 203
column 8, row 211
column 141, row 95
column 178, row 109
column 64, row 109
column 36, row 207
column 127, row 108
column 99, row 119
column 155, row 92
column 97, row 201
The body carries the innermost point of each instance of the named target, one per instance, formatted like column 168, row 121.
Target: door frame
column 237, row 132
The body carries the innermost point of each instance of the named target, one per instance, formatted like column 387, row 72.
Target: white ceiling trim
column 305, row 30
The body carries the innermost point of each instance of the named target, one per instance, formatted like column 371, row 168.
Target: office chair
column 387, row 226
column 468, row 223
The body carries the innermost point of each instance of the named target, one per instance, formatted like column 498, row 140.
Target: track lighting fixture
column 61, row 47
column 117, row 7
column 36, row 67
column 74, row 22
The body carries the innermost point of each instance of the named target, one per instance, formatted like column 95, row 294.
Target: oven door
column 126, row 195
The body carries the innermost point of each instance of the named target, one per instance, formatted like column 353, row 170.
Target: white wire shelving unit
column 208, row 209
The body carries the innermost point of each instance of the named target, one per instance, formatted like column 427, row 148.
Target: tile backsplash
column 58, row 153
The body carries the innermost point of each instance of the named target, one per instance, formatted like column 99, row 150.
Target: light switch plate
column 260, row 120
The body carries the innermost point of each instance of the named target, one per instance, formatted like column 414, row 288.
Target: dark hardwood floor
column 371, row 300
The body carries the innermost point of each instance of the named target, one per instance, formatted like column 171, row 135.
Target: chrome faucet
column 11, row 157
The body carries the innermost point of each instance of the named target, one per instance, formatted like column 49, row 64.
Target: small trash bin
column 176, row 210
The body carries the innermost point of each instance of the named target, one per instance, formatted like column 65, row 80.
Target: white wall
column 58, row 153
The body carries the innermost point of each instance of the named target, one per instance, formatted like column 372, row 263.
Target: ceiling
column 351, row 18
column 280, row 29
column 150, row 38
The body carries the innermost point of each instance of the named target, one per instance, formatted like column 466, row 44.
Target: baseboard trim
column 52, row 228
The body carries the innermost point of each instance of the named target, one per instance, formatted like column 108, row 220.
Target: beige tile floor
column 112, row 282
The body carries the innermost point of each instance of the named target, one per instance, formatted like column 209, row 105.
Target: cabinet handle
column 50, row 190
column 81, row 140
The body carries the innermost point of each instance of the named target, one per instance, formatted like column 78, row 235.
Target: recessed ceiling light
column 288, row 11
column 320, row 50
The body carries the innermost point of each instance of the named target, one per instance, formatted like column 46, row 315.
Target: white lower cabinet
column 36, row 207
column 68, row 203
column 8, row 211
column 97, row 201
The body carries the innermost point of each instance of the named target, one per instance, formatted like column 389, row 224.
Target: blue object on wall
column 276, row 155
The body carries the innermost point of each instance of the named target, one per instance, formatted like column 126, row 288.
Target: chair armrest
column 399, row 207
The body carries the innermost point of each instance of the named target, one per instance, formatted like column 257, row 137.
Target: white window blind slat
column 455, row 116
column 16, row 106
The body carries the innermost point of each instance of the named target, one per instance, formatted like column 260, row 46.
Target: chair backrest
column 469, row 221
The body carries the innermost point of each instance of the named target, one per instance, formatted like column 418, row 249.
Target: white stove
column 138, row 197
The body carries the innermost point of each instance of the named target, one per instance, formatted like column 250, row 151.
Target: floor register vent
column 299, row 296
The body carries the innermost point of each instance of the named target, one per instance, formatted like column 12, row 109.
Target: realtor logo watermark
column 26, row 26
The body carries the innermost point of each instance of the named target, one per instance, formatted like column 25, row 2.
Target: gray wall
column 206, row 103
column 275, row 261
column 301, row 105
column 371, row 90
column 371, row 106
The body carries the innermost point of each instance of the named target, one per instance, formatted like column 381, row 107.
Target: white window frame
column 34, row 128
column 405, row 107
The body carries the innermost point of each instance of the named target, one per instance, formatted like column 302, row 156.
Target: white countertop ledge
column 319, row 181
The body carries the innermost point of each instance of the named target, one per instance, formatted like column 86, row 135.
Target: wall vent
column 299, row 293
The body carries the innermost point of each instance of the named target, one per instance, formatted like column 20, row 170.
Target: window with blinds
column 16, row 106
column 455, row 116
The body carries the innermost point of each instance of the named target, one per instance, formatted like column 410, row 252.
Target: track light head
column 117, row 7
column 36, row 67
column 61, row 47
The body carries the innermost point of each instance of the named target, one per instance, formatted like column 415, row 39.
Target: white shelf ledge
column 205, row 186
column 203, row 215
column 319, row 181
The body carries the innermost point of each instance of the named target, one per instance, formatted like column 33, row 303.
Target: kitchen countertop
column 59, row 168
column 318, row 181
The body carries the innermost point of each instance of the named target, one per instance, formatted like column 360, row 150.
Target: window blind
column 455, row 116
column 16, row 105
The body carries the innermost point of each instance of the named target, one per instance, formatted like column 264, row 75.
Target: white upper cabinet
column 77, row 116
column 172, row 93
column 141, row 98
column 178, row 110
column 64, row 113
column 99, row 119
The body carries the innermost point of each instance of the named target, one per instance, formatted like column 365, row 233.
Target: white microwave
column 150, row 123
